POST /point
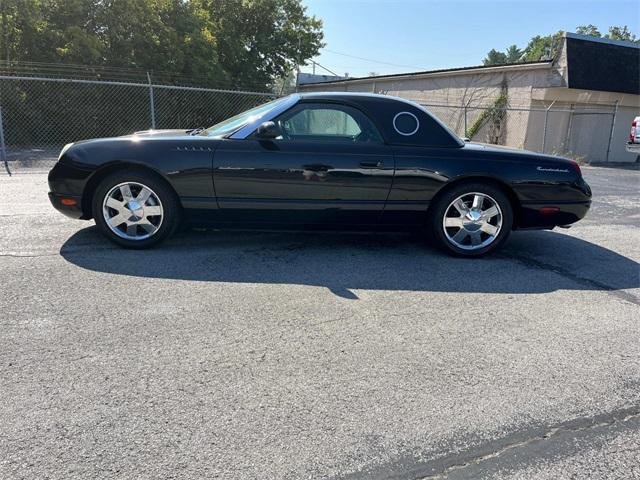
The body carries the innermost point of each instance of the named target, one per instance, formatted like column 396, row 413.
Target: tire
column 471, row 220
column 136, row 209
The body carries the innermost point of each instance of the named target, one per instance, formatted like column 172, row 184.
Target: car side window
column 327, row 122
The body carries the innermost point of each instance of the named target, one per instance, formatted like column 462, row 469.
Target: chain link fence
column 39, row 115
column 583, row 133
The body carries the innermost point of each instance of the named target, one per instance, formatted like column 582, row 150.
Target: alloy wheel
column 472, row 221
column 132, row 211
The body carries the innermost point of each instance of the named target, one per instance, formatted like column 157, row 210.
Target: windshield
column 231, row 124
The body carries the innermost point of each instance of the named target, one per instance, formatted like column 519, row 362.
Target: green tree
column 513, row 54
column 590, row 30
column 540, row 48
column 495, row 57
column 262, row 39
column 285, row 84
column 615, row 33
column 238, row 41
column 621, row 33
column 546, row 47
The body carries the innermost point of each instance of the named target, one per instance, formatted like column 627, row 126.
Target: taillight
column 632, row 136
column 576, row 167
column 548, row 210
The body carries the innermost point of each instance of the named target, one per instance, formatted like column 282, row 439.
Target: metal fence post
column 569, row 127
column 3, row 149
column 465, row 121
column 544, row 132
column 151, row 103
column 613, row 124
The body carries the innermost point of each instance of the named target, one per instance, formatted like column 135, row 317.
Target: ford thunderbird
column 318, row 160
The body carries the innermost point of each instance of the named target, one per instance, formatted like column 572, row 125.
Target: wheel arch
column 97, row 177
column 503, row 186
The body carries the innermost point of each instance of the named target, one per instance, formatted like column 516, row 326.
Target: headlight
column 64, row 149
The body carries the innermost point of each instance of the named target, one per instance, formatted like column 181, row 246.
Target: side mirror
column 268, row 131
column 466, row 139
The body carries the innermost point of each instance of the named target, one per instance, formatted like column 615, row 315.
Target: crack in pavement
column 469, row 459
column 523, row 444
column 587, row 282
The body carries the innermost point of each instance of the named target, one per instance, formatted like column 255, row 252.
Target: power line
column 325, row 68
column 371, row 60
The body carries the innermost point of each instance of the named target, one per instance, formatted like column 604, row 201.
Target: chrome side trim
column 279, row 108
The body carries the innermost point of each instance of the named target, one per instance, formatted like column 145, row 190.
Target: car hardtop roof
column 354, row 95
column 357, row 96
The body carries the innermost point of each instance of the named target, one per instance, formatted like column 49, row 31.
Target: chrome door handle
column 317, row 167
column 371, row 164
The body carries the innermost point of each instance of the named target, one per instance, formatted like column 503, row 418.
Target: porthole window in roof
column 406, row 123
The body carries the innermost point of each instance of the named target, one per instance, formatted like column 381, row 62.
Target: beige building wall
column 531, row 89
column 471, row 87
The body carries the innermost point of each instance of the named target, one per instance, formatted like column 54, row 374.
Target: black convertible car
column 321, row 160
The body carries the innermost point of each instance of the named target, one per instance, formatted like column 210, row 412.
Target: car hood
column 140, row 135
column 159, row 133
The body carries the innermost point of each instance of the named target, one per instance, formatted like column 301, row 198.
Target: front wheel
column 135, row 209
column 471, row 220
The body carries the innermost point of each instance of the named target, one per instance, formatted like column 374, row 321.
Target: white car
column 633, row 145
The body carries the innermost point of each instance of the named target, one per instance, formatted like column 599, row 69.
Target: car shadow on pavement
column 531, row 262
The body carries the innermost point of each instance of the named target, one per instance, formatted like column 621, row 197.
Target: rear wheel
column 135, row 209
column 471, row 220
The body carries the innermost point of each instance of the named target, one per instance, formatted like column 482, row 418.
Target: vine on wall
column 494, row 115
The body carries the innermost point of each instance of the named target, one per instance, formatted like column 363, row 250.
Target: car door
column 329, row 166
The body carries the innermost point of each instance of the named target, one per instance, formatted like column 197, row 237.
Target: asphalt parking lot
column 289, row 355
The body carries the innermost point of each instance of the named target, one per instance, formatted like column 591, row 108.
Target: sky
column 413, row 35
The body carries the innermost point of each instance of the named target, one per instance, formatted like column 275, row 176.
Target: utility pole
column 299, row 61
